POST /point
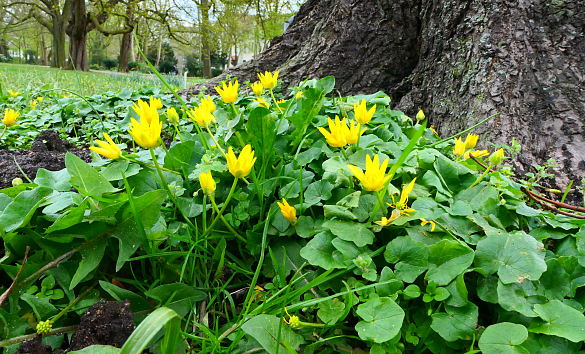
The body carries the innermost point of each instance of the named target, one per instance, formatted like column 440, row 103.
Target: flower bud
column 420, row 115
column 496, row 157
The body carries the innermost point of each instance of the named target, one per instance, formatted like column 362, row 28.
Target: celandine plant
column 307, row 224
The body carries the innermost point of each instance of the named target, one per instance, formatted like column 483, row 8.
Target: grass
column 22, row 77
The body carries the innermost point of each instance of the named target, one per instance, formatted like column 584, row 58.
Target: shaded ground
column 105, row 323
column 47, row 151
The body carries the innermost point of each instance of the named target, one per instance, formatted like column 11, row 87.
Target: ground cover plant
column 301, row 222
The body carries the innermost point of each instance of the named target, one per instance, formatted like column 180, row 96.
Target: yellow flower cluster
column 340, row 134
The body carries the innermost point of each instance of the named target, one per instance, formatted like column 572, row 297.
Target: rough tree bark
column 126, row 47
column 458, row 60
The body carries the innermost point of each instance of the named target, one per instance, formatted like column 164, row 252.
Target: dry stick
column 7, row 292
column 479, row 162
column 552, row 208
column 559, row 204
column 56, row 331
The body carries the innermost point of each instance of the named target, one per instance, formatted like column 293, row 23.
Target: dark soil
column 105, row 323
column 47, row 151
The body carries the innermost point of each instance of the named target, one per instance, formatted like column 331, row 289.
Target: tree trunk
column 77, row 32
column 126, row 44
column 205, row 40
column 460, row 61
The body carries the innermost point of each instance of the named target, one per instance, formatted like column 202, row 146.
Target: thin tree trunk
column 159, row 51
column 126, row 43
column 205, row 40
column 77, row 31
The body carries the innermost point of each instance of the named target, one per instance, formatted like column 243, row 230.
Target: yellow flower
column 172, row 115
column 373, row 179
column 402, row 204
column 33, row 104
column 257, row 88
column 109, row 149
column 387, row 221
column 288, row 211
column 460, row 147
column 423, row 222
column 471, row 140
column 10, row 117
column 420, row 115
column 229, row 94
column 478, row 153
column 146, row 111
column 145, row 134
column 496, row 157
column 352, row 133
column 268, row 80
column 13, row 94
column 433, row 129
column 156, row 103
column 362, row 115
column 261, row 102
column 280, row 101
column 39, row 99
column 299, row 94
column 336, row 136
column 207, row 103
column 201, row 116
column 293, row 321
column 207, row 183
column 242, row 165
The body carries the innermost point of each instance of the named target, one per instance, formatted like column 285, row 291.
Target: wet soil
column 47, row 151
column 105, row 323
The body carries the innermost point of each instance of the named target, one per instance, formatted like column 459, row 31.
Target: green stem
column 178, row 132
column 458, row 134
column 3, row 131
column 482, row 176
column 216, row 143
column 149, row 165
column 344, row 153
column 274, row 100
column 225, row 221
column 73, row 303
column 235, row 110
column 381, row 202
column 225, row 204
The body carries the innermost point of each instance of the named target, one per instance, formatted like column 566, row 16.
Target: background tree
column 459, row 61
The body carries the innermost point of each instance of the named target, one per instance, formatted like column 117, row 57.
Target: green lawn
column 21, row 77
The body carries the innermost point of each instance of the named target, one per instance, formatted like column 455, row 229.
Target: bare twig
column 56, row 331
column 7, row 292
column 479, row 162
column 534, row 197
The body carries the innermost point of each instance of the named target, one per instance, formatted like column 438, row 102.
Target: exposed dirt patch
column 47, row 151
column 105, row 323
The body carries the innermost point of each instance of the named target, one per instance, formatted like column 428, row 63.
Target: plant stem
column 3, row 131
column 15, row 340
column 149, row 165
column 344, row 153
column 274, row 100
column 482, row 176
column 225, row 204
column 381, row 202
column 235, row 110
column 178, row 132
column 73, row 303
column 225, row 221
column 216, row 143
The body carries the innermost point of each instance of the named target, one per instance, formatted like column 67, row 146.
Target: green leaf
column 148, row 207
column 19, row 212
column 518, row 297
column 336, row 211
column 261, row 128
column 186, row 154
column 503, row 338
column 114, row 170
column 90, row 259
column 179, row 297
column 86, row 178
column 458, row 291
column 382, row 319
column 330, row 311
column 448, row 259
column 41, row 306
column 411, row 256
column 97, row 349
column 150, row 327
column 57, row 180
column 310, row 105
column 392, row 287
column 350, row 231
column 515, row 257
column 264, row 329
column 555, row 283
column 305, row 226
column 71, row 217
column 319, row 251
column 456, row 323
column 317, row 191
column 138, row 303
column 559, row 320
